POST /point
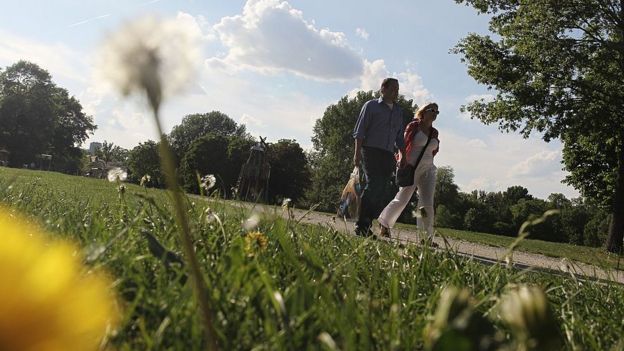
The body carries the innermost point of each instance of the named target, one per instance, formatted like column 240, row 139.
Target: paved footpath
column 484, row 253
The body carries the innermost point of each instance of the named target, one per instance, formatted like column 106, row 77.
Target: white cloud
column 274, row 113
column 476, row 143
column 270, row 36
column 374, row 73
column 539, row 164
column 208, row 32
column 482, row 183
column 362, row 33
column 411, row 85
column 496, row 161
column 58, row 59
column 413, row 88
column 251, row 122
column 126, row 125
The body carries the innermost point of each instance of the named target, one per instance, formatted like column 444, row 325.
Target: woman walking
column 418, row 134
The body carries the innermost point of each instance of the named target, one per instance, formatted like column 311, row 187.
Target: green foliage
column 446, row 218
column 504, row 212
column 596, row 229
column 36, row 117
column 218, row 155
column 332, row 157
column 207, row 155
column 290, row 172
column 197, row 125
column 109, row 152
column 311, row 286
column 144, row 159
column 446, row 191
column 558, row 68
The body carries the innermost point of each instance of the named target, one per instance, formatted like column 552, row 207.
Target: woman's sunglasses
column 431, row 109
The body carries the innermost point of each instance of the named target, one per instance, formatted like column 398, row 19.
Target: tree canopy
column 558, row 69
column 197, row 125
column 144, row 160
column 290, row 172
column 36, row 117
column 219, row 155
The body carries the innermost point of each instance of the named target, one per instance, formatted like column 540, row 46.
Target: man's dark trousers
column 377, row 166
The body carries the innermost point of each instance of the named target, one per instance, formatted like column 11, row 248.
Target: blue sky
column 276, row 65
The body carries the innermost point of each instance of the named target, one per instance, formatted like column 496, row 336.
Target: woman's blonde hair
column 421, row 109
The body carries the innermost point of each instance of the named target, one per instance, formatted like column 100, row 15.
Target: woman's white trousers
column 424, row 183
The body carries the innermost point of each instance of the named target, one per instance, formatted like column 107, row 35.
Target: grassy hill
column 291, row 286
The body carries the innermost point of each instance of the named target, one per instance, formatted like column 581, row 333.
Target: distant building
column 94, row 147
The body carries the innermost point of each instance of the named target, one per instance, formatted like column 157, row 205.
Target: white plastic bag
column 349, row 205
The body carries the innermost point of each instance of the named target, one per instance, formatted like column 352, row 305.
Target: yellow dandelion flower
column 255, row 242
column 48, row 301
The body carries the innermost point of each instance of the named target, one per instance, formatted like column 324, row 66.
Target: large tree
column 332, row 157
column 27, row 111
column 221, row 156
column 109, row 152
column 290, row 172
column 36, row 117
column 558, row 69
column 144, row 160
column 197, row 125
column 71, row 128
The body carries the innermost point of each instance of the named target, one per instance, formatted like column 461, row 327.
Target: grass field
column 290, row 287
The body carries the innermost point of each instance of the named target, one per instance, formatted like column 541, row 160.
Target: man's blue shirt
column 380, row 126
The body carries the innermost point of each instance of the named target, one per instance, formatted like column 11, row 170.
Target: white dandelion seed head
column 286, row 202
column 210, row 215
column 117, row 174
column 150, row 55
column 208, row 181
column 251, row 222
column 146, row 179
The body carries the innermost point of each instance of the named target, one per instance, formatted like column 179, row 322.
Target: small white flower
column 150, row 55
column 146, row 179
column 280, row 301
column 209, row 214
column 419, row 212
column 208, row 182
column 286, row 203
column 251, row 222
column 117, row 174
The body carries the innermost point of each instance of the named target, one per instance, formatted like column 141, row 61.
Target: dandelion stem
column 199, row 284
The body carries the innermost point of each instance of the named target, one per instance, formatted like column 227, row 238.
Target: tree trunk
column 616, row 227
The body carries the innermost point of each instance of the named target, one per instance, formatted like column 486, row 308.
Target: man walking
column 377, row 133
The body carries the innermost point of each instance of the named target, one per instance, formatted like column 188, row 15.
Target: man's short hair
column 387, row 81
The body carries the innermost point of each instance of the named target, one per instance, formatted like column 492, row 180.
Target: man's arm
column 357, row 156
column 359, row 133
column 399, row 143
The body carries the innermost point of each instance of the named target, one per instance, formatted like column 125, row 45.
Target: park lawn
column 301, row 287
